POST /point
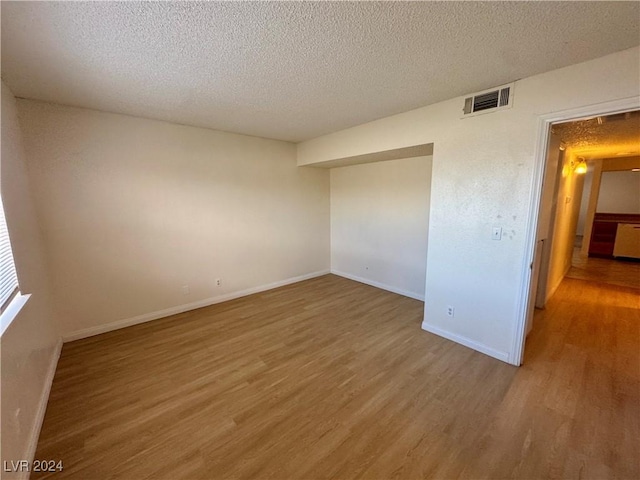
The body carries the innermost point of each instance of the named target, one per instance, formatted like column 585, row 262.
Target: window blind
column 8, row 277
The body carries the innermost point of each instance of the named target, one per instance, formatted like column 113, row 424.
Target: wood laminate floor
column 329, row 378
column 623, row 272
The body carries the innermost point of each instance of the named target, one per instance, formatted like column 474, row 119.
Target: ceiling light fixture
column 581, row 167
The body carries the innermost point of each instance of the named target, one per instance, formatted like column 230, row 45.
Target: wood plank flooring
column 623, row 272
column 329, row 378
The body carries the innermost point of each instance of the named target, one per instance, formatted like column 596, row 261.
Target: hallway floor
column 584, row 354
column 625, row 273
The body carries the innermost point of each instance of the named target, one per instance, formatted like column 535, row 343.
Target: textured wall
column 28, row 346
column 482, row 177
column 379, row 223
column 133, row 210
column 570, row 188
column 584, row 201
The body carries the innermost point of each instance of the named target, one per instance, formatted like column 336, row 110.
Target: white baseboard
column 479, row 347
column 147, row 317
column 42, row 406
column 382, row 286
column 550, row 292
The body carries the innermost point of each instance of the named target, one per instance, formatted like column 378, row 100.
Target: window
column 11, row 300
column 8, row 277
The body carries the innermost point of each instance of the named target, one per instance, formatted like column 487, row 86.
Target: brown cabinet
column 603, row 234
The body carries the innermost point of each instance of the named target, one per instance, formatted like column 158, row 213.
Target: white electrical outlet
column 218, row 282
column 450, row 311
column 185, row 290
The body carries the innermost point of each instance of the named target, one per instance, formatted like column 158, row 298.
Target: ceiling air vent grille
column 504, row 96
column 485, row 101
column 488, row 100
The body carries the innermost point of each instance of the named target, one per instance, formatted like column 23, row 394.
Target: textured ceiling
column 600, row 137
column 293, row 70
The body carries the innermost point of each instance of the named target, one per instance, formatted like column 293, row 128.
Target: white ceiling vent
column 488, row 101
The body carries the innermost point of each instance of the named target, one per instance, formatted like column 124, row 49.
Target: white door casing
column 544, row 123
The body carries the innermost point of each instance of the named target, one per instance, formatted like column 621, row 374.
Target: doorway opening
column 589, row 220
column 576, row 148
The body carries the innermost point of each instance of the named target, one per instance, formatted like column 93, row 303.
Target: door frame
column 544, row 123
column 539, row 287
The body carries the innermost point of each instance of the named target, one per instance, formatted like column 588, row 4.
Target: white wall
column 565, row 223
column 30, row 346
column 619, row 192
column 133, row 210
column 379, row 223
column 546, row 219
column 482, row 177
column 584, row 201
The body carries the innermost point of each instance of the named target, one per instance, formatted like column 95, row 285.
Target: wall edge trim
column 167, row 312
column 382, row 286
column 36, row 428
column 467, row 342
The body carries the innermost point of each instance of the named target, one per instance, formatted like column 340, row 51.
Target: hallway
column 624, row 273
